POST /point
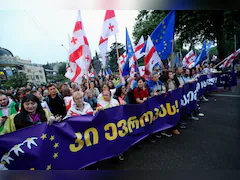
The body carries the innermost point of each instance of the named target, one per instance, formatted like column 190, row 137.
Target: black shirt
column 57, row 105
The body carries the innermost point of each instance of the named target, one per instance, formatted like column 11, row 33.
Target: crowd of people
column 55, row 102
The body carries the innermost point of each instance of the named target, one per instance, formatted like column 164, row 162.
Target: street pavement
column 212, row 143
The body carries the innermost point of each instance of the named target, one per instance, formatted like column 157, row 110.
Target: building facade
column 9, row 65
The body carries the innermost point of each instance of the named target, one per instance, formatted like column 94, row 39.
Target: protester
column 55, row 101
column 39, row 96
column 121, row 95
column 141, row 93
column 91, row 100
column 155, row 85
column 7, row 108
column 31, row 113
column 179, row 81
column 94, row 89
column 106, row 101
column 67, row 97
column 79, row 107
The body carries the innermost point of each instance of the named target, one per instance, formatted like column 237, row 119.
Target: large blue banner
column 80, row 141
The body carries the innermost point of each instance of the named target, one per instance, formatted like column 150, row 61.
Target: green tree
column 62, row 69
column 193, row 27
column 112, row 56
column 16, row 81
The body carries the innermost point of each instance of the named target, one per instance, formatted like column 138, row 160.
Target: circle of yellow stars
column 55, row 146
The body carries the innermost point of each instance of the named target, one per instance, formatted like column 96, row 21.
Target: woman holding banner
column 31, row 114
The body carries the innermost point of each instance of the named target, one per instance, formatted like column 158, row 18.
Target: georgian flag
column 188, row 60
column 230, row 59
column 76, row 66
column 151, row 58
column 141, row 70
column 110, row 28
column 138, row 49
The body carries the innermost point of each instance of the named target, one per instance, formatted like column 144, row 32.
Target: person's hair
column 66, row 92
column 77, row 93
column 33, row 91
column 50, row 85
column 164, row 77
column 141, row 78
column 119, row 91
column 154, row 73
column 105, row 85
column 93, row 83
column 112, row 84
column 21, row 119
column 3, row 94
column 110, row 94
column 185, row 70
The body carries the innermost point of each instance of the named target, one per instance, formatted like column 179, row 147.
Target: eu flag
column 162, row 37
column 129, row 54
column 109, row 70
column 201, row 56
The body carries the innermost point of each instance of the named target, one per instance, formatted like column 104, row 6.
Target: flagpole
column 118, row 57
column 172, row 56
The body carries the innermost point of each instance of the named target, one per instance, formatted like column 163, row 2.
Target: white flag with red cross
column 188, row 59
column 76, row 67
column 151, row 58
column 230, row 59
column 110, row 27
column 138, row 49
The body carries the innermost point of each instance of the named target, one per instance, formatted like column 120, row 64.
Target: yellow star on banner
column 160, row 37
column 163, row 22
column 49, row 167
column 164, row 27
column 44, row 136
column 56, row 145
column 156, row 40
column 52, row 138
column 32, row 169
column 55, row 155
column 163, row 32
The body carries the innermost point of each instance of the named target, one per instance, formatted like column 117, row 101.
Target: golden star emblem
column 28, row 139
column 163, row 32
column 160, row 37
column 44, row 136
column 56, row 145
column 164, row 26
column 156, row 40
column 55, row 155
column 52, row 138
column 49, row 167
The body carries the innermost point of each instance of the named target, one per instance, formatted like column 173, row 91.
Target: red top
column 140, row 93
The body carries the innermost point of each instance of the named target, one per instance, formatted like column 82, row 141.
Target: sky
column 38, row 34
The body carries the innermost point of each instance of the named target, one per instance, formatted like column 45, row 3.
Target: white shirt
column 74, row 111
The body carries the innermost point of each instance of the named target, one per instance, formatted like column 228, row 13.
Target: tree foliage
column 112, row 56
column 16, row 81
column 195, row 26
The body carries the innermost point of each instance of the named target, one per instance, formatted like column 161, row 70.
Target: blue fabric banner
column 80, row 141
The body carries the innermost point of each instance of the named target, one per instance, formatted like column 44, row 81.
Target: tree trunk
column 220, row 34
